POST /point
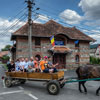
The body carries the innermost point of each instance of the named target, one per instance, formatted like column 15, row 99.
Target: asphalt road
column 37, row 91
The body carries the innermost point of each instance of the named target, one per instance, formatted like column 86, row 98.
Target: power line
column 18, row 13
column 62, row 21
column 70, row 24
column 48, row 6
column 13, row 25
column 11, row 19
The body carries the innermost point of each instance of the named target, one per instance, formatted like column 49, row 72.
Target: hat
column 45, row 57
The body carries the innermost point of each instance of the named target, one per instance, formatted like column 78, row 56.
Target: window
column 59, row 40
column 77, row 58
column 38, row 56
column 76, row 43
column 37, row 41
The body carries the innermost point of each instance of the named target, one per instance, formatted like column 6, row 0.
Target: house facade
column 65, row 52
column 4, row 53
column 95, row 50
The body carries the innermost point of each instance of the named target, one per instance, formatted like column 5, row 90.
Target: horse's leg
column 85, row 90
column 97, row 91
column 80, row 83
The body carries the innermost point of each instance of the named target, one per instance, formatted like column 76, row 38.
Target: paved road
column 36, row 90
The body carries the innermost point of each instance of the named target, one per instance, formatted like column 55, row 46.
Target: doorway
column 59, row 58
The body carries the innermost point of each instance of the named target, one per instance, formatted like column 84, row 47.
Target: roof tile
column 52, row 28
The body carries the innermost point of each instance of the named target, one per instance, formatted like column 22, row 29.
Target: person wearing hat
column 43, row 64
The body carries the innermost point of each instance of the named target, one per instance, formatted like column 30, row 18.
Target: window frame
column 37, row 41
column 77, row 58
column 77, row 45
column 60, row 38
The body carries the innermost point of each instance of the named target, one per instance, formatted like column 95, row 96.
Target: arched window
column 59, row 40
column 77, row 59
column 38, row 56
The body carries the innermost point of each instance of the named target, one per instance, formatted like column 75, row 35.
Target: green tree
column 6, row 48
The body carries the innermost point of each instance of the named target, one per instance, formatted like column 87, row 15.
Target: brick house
column 95, row 50
column 4, row 53
column 65, row 52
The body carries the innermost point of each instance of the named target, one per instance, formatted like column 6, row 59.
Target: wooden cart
column 54, row 80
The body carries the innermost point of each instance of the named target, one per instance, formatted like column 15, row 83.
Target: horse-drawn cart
column 54, row 80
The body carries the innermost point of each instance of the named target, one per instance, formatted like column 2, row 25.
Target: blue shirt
column 26, row 65
column 17, row 64
column 31, row 63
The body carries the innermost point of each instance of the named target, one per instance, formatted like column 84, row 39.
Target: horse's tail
column 77, row 72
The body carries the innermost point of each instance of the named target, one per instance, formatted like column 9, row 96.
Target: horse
column 86, row 72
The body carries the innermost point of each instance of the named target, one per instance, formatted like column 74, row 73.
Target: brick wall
column 83, row 52
column 22, row 47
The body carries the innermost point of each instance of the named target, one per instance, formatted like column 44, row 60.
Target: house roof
column 51, row 28
column 94, row 46
column 60, row 49
column 2, row 53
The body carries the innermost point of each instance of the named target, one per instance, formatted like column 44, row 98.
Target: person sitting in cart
column 51, row 65
column 17, row 65
column 22, row 64
column 42, row 65
column 11, row 66
column 47, row 66
column 36, row 64
column 31, row 65
column 26, row 65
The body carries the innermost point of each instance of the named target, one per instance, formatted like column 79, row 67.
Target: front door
column 59, row 58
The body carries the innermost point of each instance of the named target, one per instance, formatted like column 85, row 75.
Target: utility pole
column 29, row 6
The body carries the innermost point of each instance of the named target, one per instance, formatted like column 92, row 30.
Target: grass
column 4, row 65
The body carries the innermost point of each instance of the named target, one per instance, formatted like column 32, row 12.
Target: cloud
column 91, row 15
column 70, row 16
column 96, row 37
column 5, row 41
column 6, row 28
column 92, row 32
column 36, row 21
column 43, row 17
column 91, row 8
column 94, row 23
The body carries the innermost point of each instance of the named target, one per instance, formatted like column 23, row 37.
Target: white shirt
column 26, row 65
column 22, row 64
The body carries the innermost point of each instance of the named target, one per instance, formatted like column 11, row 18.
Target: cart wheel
column 62, row 85
column 8, row 82
column 22, row 81
column 53, row 87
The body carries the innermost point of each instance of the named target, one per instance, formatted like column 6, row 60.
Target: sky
column 83, row 14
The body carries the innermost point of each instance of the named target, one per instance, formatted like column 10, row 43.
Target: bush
column 94, row 60
column 5, row 57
